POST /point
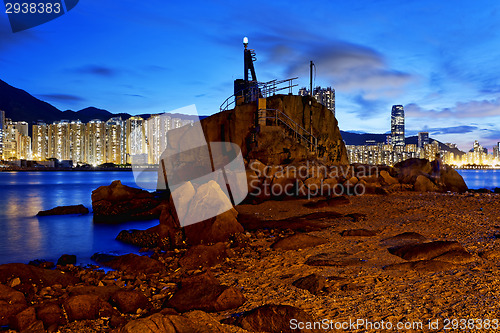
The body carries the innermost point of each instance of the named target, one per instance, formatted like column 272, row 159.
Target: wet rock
column 425, row 251
column 118, row 203
column 11, row 303
column 83, row 307
column 298, row 241
column 51, row 314
column 64, row 210
column 423, row 265
column 408, row 170
column 358, row 233
column 405, row 238
column 130, row 301
column 66, row 259
column 140, row 238
column 23, row 319
column 34, row 275
column 131, row 263
column 203, row 255
column 204, row 292
column 330, row 259
column 42, row 263
column 275, row 318
column 314, row 283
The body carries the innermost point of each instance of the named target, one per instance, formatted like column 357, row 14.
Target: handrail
column 306, row 135
column 261, row 89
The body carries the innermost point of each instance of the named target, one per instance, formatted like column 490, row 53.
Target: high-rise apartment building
column 135, row 133
column 59, row 145
column 325, row 96
column 95, row 138
column 423, row 139
column 2, row 128
column 77, row 141
column 398, row 125
column 115, row 141
column 40, row 148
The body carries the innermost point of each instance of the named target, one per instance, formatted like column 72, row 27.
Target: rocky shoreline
column 392, row 254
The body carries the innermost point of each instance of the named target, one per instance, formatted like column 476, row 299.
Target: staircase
column 275, row 117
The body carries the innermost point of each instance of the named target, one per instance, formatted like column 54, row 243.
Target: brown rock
column 203, row 255
column 358, row 233
column 11, row 303
column 35, row 327
column 330, row 259
column 204, row 292
column 51, row 314
column 131, row 263
column 452, row 180
column 408, row 170
column 388, row 179
column 83, row 307
column 23, row 319
column 216, row 229
column 405, row 238
column 67, row 259
column 424, row 184
column 425, row 251
column 104, row 292
column 193, row 322
column 117, row 203
column 456, row 257
column 423, row 265
column 314, row 283
column 305, row 223
column 274, row 318
column 298, row 241
column 65, row 210
column 34, row 275
column 130, row 301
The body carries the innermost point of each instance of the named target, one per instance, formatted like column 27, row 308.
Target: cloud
column 97, row 70
column 471, row 109
column 349, row 67
column 62, row 97
column 452, row 130
column 135, row 95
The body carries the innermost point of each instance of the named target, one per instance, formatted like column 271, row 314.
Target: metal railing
column 298, row 132
column 257, row 90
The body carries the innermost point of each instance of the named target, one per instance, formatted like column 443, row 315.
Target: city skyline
column 435, row 59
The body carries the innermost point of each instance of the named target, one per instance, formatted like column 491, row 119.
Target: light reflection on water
column 26, row 237
column 476, row 179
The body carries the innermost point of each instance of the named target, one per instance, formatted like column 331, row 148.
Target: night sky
column 440, row 59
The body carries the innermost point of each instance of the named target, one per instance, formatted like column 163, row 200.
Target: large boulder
column 424, row 184
column 129, row 301
column 452, row 180
column 11, row 303
column 204, row 292
column 118, row 203
column 408, row 170
column 82, row 307
column 40, row 277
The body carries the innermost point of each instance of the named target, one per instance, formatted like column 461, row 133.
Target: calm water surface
column 26, row 237
column 476, row 179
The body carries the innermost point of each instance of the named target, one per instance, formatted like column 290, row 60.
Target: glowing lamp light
column 245, row 41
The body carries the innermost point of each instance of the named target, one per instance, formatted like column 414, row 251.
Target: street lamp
column 245, row 42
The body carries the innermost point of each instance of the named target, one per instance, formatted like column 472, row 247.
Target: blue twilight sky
column 440, row 59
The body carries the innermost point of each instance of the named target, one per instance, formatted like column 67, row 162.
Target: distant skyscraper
column 115, row 141
column 2, row 129
column 77, row 141
column 398, row 125
column 95, row 137
column 496, row 151
column 423, row 139
column 136, row 137
column 40, row 148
